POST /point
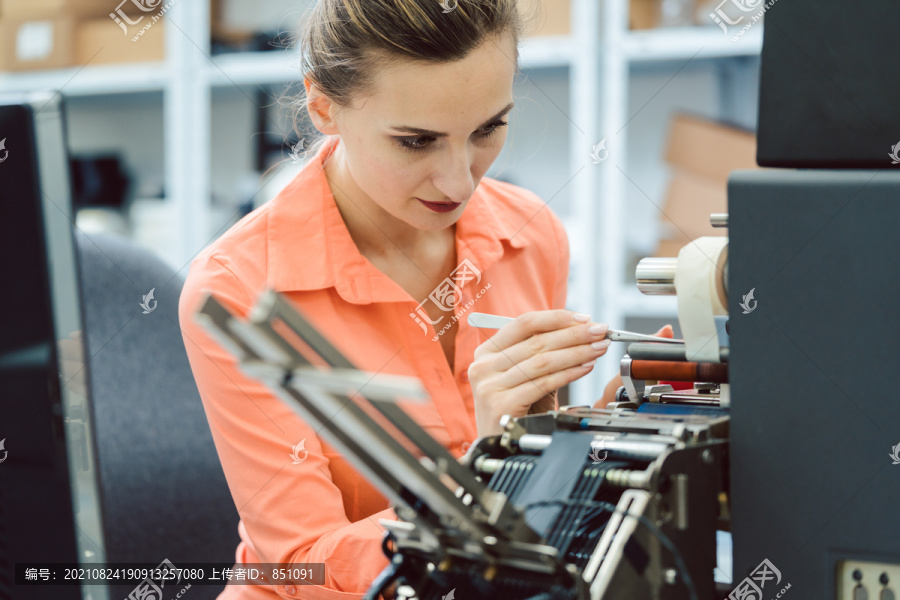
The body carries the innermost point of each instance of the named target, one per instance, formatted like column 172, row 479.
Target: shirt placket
column 431, row 366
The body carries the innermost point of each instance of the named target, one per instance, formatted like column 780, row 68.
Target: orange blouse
column 310, row 505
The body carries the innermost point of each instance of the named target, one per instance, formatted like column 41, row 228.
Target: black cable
column 387, row 544
column 383, row 581
column 650, row 525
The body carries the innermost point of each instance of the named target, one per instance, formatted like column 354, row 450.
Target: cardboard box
column 702, row 154
column 29, row 45
column 100, row 41
column 239, row 21
column 644, row 14
column 647, row 14
column 689, row 202
column 555, row 18
column 685, row 213
column 37, row 9
column 708, row 149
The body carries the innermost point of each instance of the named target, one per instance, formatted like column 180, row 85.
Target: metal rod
column 656, row 276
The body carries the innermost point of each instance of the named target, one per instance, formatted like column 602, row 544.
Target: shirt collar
column 310, row 248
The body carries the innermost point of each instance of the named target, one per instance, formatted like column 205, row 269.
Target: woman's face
column 420, row 140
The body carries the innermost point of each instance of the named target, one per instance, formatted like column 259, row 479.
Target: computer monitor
column 829, row 85
column 50, row 506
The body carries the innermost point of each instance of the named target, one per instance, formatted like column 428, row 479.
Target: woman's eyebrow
column 428, row 132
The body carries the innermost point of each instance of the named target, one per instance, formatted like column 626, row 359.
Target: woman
column 387, row 224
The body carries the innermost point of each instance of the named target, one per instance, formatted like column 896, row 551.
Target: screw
column 884, row 580
column 857, row 574
column 671, row 576
column 707, row 457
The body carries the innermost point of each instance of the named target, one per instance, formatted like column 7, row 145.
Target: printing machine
column 572, row 504
column 790, row 437
column 625, row 502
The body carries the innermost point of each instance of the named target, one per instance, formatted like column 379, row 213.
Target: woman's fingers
column 543, row 364
column 529, row 359
column 529, row 392
column 666, row 332
column 529, row 324
column 539, row 355
column 548, row 342
column 569, row 337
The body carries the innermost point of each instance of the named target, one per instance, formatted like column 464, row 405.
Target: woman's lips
column 441, row 207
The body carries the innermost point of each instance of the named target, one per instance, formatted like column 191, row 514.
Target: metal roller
column 656, row 276
column 718, row 219
column 656, row 370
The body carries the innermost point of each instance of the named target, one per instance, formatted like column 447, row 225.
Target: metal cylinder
column 659, row 370
column 535, row 443
column 718, row 219
column 656, row 276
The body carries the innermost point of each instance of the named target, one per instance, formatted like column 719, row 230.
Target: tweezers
column 486, row 321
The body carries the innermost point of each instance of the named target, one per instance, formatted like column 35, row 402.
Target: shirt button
column 465, row 446
column 464, row 376
column 289, row 589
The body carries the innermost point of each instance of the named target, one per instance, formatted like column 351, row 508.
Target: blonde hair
column 344, row 43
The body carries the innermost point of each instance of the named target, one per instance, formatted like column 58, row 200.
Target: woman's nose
column 454, row 177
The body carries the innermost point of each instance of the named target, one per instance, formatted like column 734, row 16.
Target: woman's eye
column 420, row 143
column 489, row 130
column 415, row 144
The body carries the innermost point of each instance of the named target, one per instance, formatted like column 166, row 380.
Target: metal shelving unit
column 91, row 81
column 599, row 55
column 685, row 43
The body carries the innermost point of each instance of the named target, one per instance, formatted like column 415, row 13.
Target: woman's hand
column 528, row 360
column 609, row 393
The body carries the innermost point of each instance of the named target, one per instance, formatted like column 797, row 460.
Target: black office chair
column 164, row 492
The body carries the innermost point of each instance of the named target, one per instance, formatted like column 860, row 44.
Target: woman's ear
column 321, row 109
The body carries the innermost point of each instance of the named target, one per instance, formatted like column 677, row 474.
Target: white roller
column 699, row 281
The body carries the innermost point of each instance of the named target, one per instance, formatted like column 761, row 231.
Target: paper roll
column 700, row 283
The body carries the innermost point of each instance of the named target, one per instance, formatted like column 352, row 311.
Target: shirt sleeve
column 292, row 512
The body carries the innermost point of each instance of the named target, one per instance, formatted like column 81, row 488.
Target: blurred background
column 629, row 116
